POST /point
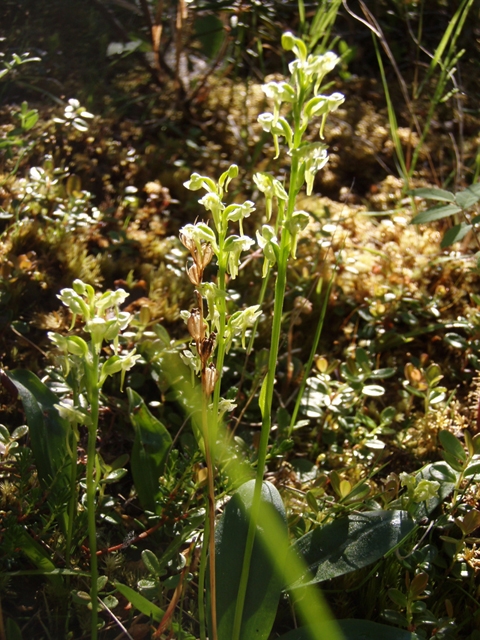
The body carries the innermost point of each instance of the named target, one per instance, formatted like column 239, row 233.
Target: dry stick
column 182, row 15
column 156, row 31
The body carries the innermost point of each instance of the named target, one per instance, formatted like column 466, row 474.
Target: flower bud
column 196, row 326
column 195, row 274
column 209, row 379
column 205, row 348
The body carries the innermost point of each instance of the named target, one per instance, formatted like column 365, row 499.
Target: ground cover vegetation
column 240, row 325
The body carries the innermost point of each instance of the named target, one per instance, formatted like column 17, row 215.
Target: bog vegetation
column 240, row 320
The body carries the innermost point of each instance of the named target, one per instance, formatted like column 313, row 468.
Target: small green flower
column 192, row 235
column 197, row 182
column 297, row 223
column 116, row 363
column 291, row 43
column 75, row 303
column 277, row 127
column 315, row 157
column 268, row 242
column 279, row 91
column 213, row 203
column 237, row 212
column 211, row 292
column 227, row 177
column 225, row 406
column 271, row 188
column 110, row 299
column 425, row 490
column 239, row 323
column 234, row 246
column 74, row 415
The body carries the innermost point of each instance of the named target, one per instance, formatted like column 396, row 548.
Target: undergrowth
column 235, row 405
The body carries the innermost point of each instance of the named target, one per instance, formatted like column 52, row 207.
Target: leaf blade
column 150, row 450
column 264, row 582
column 436, row 213
column 350, row 543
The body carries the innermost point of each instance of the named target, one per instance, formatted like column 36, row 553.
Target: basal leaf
column 436, row 213
column 150, row 449
column 357, row 630
column 264, row 582
column 350, row 543
column 50, row 437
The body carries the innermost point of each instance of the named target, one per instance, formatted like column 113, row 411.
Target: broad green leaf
column 357, row 630
column 452, row 460
column 436, row 213
column 264, row 583
column 209, row 30
column 350, row 543
column 140, row 602
column 150, row 450
column 468, row 197
column 455, row 234
column 398, row 597
column 452, row 444
column 51, row 438
column 431, row 193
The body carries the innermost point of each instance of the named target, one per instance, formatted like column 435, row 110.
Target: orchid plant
column 212, row 335
column 86, row 369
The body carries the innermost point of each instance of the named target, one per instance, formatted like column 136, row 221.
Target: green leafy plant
column 441, row 68
column 457, row 208
column 86, row 371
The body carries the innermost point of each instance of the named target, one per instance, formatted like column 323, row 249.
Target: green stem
column 72, row 443
column 201, row 581
column 208, row 438
column 72, row 500
column 94, row 397
column 280, row 288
